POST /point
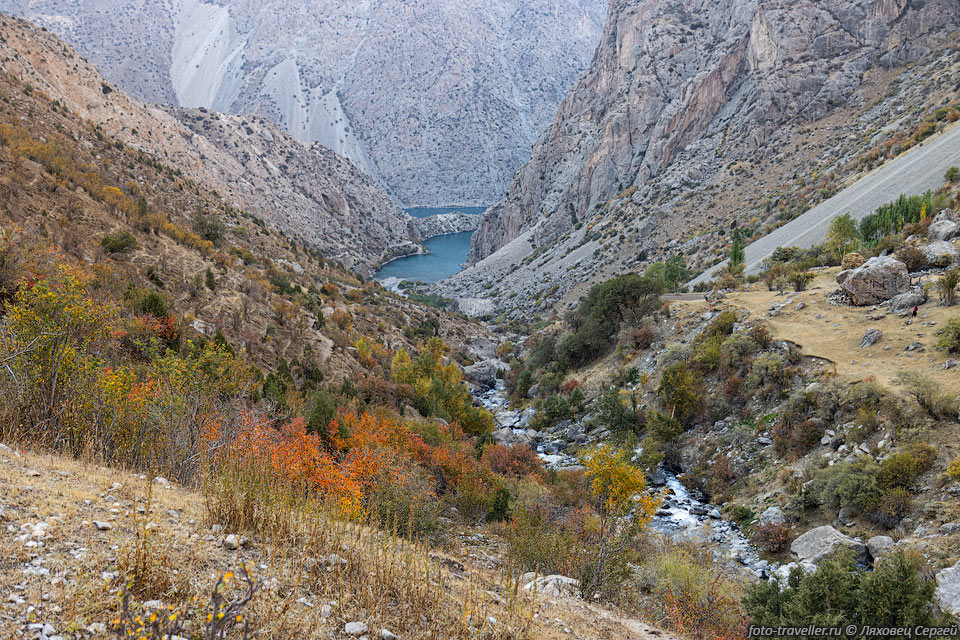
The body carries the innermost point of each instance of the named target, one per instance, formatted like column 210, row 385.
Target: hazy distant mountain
column 439, row 100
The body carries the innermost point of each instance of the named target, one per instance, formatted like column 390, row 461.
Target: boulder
column 945, row 226
column 880, row 546
column 871, row 337
column 554, row 585
column 772, row 515
column 908, row 300
column 875, row 281
column 948, row 589
column 355, row 628
column 817, row 544
column 940, row 253
column 483, row 373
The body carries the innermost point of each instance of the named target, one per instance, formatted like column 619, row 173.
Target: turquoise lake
column 447, row 252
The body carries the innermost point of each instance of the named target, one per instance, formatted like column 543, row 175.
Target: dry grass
column 160, row 543
column 834, row 332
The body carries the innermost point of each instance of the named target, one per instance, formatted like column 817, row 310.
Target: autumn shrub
column 689, row 595
column 536, row 543
column 517, row 460
column 771, row 537
column 895, row 594
column 912, row 257
column 936, row 401
column 852, row 261
column 401, row 497
column 801, row 279
column 797, row 436
column 439, row 388
column 643, row 337
column 769, row 373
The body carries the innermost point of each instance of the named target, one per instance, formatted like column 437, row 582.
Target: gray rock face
column 913, row 298
column 772, row 515
column 443, row 223
column 940, row 254
column 948, row 589
column 875, row 281
column 871, row 337
column 483, row 372
column 880, row 546
column 554, row 585
column 441, row 100
column 817, row 544
column 671, row 76
column 945, row 226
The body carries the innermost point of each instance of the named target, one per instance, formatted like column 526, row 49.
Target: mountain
column 697, row 115
column 441, row 101
column 305, row 189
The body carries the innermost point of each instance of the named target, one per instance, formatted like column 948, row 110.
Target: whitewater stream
column 681, row 516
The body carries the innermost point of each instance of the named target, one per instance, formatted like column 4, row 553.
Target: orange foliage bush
column 518, row 460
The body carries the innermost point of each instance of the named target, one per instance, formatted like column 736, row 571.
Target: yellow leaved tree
column 623, row 508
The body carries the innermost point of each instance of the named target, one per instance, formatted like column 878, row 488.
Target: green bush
column 613, row 414
column 681, row 391
column 952, row 175
column 948, row 337
column 556, row 408
column 118, row 242
column 608, row 305
column 768, row 370
column 894, row 594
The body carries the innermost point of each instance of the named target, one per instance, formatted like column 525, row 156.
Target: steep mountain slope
column 304, row 189
column 440, row 100
column 685, row 99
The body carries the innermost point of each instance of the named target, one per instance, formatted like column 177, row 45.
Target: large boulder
column 945, row 226
column 483, row 372
column 948, row 589
column 875, row 281
column 773, row 515
column 880, row 545
column 940, row 253
column 817, row 544
column 908, row 300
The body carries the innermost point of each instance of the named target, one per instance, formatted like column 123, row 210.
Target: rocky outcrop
column 694, row 115
column 879, row 546
column 306, row 190
column 940, row 253
column 945, row 226
column 876, row 280
column 816, row 545
column 444, row 223
column 440, row 100
column 554, row 585
column 948, row 589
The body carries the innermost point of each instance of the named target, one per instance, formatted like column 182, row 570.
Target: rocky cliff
column 439, row 100
column 719, row 80
column 306, row 190
column 698, row 116
column 444, row 223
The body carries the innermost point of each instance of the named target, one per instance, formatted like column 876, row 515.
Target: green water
column 447, row 252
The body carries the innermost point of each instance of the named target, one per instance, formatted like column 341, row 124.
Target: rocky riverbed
column 682, row 516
